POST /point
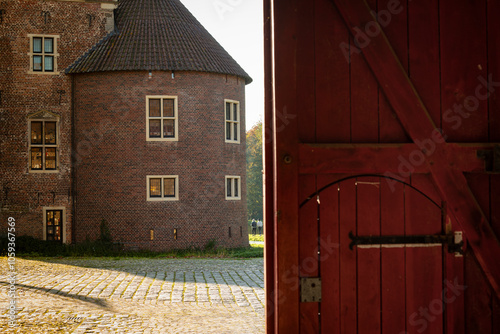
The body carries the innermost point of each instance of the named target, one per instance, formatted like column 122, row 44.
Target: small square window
column 169, row 187
column 161, row 118
column 49, row 45
column 37, row 44
column 49, row 64
column 155, row 128
column 37, row 63
column 155, row 187
column 36, row 158
column 163, row 188
column 154, row 108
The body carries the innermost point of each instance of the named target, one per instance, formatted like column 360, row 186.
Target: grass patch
column 31, row 247
column 256, row 237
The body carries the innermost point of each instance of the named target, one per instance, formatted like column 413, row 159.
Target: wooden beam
column 399, row 159
column 269, row 245
column 414, row 117
column 285, row 159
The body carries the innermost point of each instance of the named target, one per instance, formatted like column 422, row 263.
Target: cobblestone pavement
column 136, row 296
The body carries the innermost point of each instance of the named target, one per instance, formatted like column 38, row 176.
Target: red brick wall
column 113, row 159
column 23, row 194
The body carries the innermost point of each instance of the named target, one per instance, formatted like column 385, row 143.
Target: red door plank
column 495, row 222
column 479, row 185
column 308, row 250
column 286, row 171
column 494, row 68
column 329, row 260
column 368, row 221
column 332, row 76
column 414, row 117
column 425, row 184
column 305, row 76
column 364, row 98
column 364, row 103
column 477, row 299
column 395, row 26
column 495, row 202
column 423, row 216
column 423, row 46
column 496, row 316
column 393, row 259
column 306, row 107
column 424, row 275
column 348, row 296
column 463, row 59
column 454, row 298
column 455, row 308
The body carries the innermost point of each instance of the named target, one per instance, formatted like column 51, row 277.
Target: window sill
column 44, row 171
column 171, row 199
column 47, row 73
column 233, row 198
column 162, row 139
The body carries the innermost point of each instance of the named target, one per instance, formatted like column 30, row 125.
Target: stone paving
column 135, row 296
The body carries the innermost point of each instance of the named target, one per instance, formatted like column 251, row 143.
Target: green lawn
column 256, row 237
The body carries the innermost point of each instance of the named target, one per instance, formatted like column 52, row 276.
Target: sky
column 237, row 26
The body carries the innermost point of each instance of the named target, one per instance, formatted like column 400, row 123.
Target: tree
column 254, row 172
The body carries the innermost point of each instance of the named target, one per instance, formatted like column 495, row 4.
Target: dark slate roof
column 155, row 35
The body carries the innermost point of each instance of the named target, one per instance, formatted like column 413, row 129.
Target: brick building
column 127, row 111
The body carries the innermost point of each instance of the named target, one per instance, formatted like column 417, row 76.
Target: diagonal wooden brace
column 415, row 118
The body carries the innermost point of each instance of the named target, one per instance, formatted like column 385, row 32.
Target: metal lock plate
column 310, row 289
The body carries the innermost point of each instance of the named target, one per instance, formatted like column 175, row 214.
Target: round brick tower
column 159, row 133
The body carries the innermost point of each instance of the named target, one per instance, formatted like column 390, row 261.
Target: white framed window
column 43, row 54
column 233, row 188
column 232, row 124
column 161, row 118
column 54, row 224
column 43, row 143
column 162, row 188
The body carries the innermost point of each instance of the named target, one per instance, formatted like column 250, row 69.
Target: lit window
column 43, row 54
column 163, row 188
column 53, row 220
column 233, row 188
column 43, row 145
column 232, row 115
column 161, row 118
column 53, row 224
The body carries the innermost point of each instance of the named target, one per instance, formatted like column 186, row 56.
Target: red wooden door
column 379, row 87
column 388, row 288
